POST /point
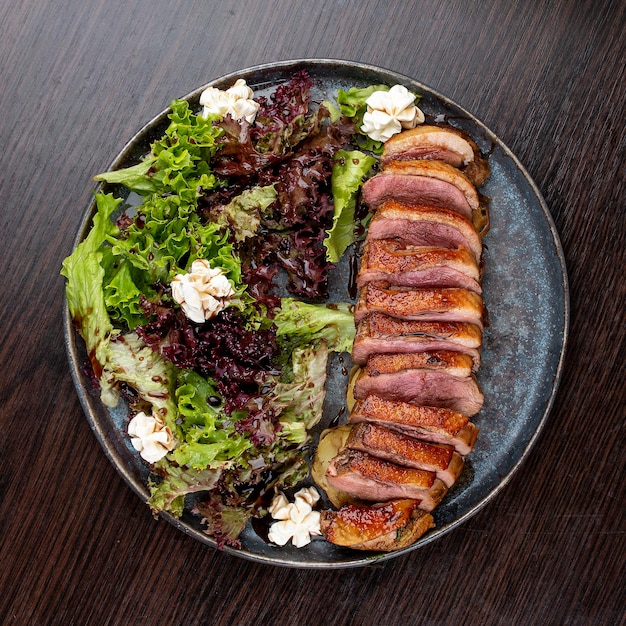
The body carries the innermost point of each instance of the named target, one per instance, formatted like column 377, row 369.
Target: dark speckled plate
column 525, row 289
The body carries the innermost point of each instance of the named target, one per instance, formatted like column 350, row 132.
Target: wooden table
column 78, row 79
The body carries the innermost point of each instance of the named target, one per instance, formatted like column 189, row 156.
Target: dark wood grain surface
column 79, row 78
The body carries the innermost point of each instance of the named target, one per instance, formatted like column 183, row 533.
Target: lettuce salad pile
column 271, row 204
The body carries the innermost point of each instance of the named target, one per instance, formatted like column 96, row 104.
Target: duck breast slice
column 428, row 142
column 367, row 478
column 414, row 189
column 423, row 386
column 421, row 225
column 454, row 363
column 442, row 142
column 401, row 449
column 384, row 527
column 431, row 305
column 381, row 334
column 388, row 260
column 428, row 423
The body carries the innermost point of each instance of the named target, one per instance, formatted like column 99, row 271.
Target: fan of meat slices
column 419, row 318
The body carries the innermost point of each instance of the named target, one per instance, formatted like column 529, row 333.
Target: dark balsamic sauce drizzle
column 261, row 526
column 338, row 418
column 354, row 269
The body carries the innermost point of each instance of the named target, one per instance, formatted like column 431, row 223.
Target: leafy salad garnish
column 240, row 392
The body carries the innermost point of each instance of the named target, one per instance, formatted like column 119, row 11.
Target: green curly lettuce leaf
column 84, row 271
column 169, row 494
column 352, row 105
column 210, row 438
column 212, row 448
column 123, row 295
column 300, row 323
column 151, row 251
column 349, row 170
column 129, row 360
column 166, row 235
column 352, row 102
column 302, row 399
column 178, row 161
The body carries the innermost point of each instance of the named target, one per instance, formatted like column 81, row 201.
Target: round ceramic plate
column 525, row 291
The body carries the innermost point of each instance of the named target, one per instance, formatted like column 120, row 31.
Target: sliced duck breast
column 385, row 527
column 423, row 386
column 388, row 260
column 431, row 183
column 401, row 449
column 422, row 225
column 429, row 142
column 367, row 478
column 440, row 171
column 388, row 186
column 435, row 424
column 432, row 305
column 381, row 334
column 442, row 142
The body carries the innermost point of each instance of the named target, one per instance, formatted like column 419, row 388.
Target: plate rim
column 87, row 401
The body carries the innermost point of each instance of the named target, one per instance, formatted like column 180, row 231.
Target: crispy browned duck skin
column 423, row 225
column 417, row 266
column 453, row 363
column 381, row 334
column 406, row 451
column 431, row 143
column 370, row 479
column 430, row 305
column 385, row 527
column 423, row 422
